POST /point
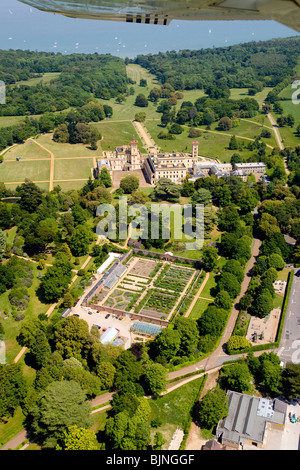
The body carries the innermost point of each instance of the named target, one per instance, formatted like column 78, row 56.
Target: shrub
column 236, row 343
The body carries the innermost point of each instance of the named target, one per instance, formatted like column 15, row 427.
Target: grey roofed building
column 112, row 276
column 248, row 418
column 66, row 312
column 239, row 173
column 215, row 170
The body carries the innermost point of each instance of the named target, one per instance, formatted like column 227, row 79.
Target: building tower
column 195, row 149
column 134, row 155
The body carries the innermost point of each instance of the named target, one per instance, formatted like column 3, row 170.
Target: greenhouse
column 146, row 328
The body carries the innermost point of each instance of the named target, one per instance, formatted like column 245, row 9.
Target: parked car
column 298, row 273
column 107, row 316
column 97, row 326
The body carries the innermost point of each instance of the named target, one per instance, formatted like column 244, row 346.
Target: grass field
column 175, row 407
column 45, row 79
column 249, row 130
column 12, row 172
column 211, row 144
column 241, row 93
column 115, row 134
column 69, row 170
column 199, row 307
column 66, row 150
column 7, row 121
column 28, row 150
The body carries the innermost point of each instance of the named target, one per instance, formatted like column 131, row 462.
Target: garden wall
column 133, row 316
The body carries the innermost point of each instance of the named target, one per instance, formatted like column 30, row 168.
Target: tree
column 187, row 189
column 241, row 251
column 140, row 117
column 236, row 377
column 176, row 129
column 57, row 278
column 189, row 335
column 76, row 438
column 228, row 282
column 129, row 183
column 276, row 261
column 13, row 389
column 233, row 266
column 155, row 379
column 159, row 441
column 245, row 301
column 194, row 132
column 268, row 224
column 263, row 304
column 79, row 241
column 270, row 375
column 41, row 349
column 212, row 408
column 209, row 258
column 106, row 372
column 61, row 134
column 236, row 342
column 202, row 196
column 71, row 336
column 223, row 300
column 225, row 123
column 166, row 190
column 233, row 143
column 88, row 382
column 229, row 220
column 290, row 380
column 61, row 405
column 235, row 158
column 31, row 196
column 3, row 241
column 167, row 343
column 141, row 101
column 212, row 321
column 128, row 369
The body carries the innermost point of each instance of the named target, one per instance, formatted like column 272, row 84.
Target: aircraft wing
column 161, row 12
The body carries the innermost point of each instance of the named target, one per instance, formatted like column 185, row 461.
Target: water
column 22, row 27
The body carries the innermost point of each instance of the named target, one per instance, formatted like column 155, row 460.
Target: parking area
column 289, row 438
column 106, row 320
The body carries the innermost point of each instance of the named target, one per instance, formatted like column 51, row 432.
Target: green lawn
column 12, row 427
column 17, row 172
column 199, row 307
column 67, row 150
column 115, row 134
column 71, row 169
column 175, row 407
column 211, row 144
column 7, row 121
column 27, row 150
column 247, row 129
column 241, row 93
column 45, row 79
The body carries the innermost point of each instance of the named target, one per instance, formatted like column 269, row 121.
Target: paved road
column 289, row 350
